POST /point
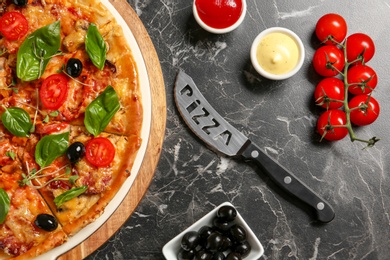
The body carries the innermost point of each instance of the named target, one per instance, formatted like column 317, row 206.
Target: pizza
column 71, row 117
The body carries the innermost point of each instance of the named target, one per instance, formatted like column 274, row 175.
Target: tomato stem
column 371, row 142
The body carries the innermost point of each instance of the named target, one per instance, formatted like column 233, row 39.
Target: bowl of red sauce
column 219, row 16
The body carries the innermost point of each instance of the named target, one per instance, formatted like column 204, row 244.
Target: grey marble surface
column 280, row 117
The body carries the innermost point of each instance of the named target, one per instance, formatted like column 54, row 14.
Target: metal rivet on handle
column 255, row 154
column 287, row 180
column 320, row 206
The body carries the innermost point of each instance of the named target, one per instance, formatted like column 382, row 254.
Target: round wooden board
column 153, row 149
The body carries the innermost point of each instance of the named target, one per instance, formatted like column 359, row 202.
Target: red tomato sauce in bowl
column 219, row 14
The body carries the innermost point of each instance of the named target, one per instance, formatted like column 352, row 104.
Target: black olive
column 20, row 2
column 233, row 256
column 203, row 255
column 222, row 225
column 185, row 255
column 190, row 240
column 243, row 248
column 227, row 243
column 75, row 152
column 46, row 222
column 205, row 231
column 228, row 213
column 74, row 67
column 237, row 233
column 214, row 242
column 218, row 256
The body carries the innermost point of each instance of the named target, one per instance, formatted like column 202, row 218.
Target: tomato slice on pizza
column 13, row 25
column 53, row 91
column 100, row 151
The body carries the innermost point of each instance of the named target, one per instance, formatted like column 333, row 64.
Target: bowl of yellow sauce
column 277, row 53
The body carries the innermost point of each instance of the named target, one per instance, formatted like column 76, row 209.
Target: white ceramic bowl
column 266, row 74
column 216, row 30
column 171, row 249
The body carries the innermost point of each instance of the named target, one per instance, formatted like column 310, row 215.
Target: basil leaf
column 50, row 147
column 68, row 195
column 99, row 112
column 17, row 121
column 95, row 46
column 11, row 154
column 4, row 205
column 36, row 51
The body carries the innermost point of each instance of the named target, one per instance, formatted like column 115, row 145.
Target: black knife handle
column 289, row 182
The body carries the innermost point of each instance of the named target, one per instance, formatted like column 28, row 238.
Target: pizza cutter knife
column 221, row 136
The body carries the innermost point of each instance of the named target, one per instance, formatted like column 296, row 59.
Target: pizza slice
column 27, row 226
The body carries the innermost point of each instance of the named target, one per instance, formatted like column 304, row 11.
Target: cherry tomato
column 99, row 151
column 359, row 45
column 331, row 26
column 328, row 60
column 364, row 75
column 364, row 110
column 328, row 91
column 219, row 13
column 13, row 25
column 53, row 91
column 327, row 125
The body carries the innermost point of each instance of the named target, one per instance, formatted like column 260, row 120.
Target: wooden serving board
column 153, row 149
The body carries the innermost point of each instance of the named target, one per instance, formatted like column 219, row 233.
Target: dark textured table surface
column 280, row 117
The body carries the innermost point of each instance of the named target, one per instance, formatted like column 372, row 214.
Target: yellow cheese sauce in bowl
column 277, row 53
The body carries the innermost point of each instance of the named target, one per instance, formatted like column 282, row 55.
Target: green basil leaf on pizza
column 100, row 111
column 4, row 205
column 17, row 121
column 36, row 51
column 95, row 46
column 50, row 147
column 69, row 194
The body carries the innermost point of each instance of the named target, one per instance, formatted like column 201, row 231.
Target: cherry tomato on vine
column 365, row 76
column 53, row 91
column 364, row 110
column 331, row 26
column 329, row 93
column 13, row 25
column 359, row 45
column 328, row 125
column 328, row 60
column 99, row 151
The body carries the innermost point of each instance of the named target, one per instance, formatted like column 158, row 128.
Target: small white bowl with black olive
column 222, row 234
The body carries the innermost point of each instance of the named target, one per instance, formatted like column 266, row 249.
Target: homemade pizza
column 71, row 117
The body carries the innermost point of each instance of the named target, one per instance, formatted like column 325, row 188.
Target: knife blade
column 221, row 136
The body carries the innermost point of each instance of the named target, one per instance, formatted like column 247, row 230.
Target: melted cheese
column 75, row 208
